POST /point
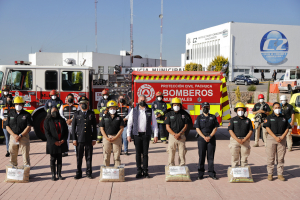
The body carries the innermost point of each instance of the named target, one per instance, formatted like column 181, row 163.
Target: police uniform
column 160, row 107
column 18, row 123
column 258, row 124
column 177, row 121
column 84, row 131
column 53, row 103
column 101, row 106
column 241, row 128
column 123, row 111
column 67, row 111
column 206, row 124
column 287, row 110
column 278, row 126
column 111, row 127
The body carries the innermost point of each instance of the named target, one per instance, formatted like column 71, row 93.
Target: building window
column 72, row 80
column 101, row 71
column 187, row 54
column 235, row 70
column 256, row 70
column 281, row 70
column 20, row 80
column 111, row 69
column 1, row 77
column 241, row 70
column 247, row 71
column 51, row 80
column 191, row 54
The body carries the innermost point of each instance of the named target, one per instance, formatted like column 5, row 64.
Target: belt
column 240, row 137
column 142, row 133
column 278, row 134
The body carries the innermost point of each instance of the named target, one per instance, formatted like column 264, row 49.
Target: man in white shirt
column 139, row 122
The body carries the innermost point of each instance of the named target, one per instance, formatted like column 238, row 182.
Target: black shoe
column 77, row 176
column 126, row 153
column 200, row 177
column 214, row 177
column 7, row 154
column 64, row 154
column 89, row 176
column 59, row 172
column 53, row 172
column 139, row 175
column 145, row 174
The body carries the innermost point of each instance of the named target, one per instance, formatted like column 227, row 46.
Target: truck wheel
column 246, row 83
column 38, row 124
column 290, row 90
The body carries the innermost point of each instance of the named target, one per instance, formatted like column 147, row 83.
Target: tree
column 219, row 62
column 193, row 67
column 78, row 77
column 238, row 94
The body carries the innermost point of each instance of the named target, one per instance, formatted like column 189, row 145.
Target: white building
column 249, row 48
column 103, row 63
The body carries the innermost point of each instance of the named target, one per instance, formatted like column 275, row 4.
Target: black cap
column 83, row 99
column 205, row 104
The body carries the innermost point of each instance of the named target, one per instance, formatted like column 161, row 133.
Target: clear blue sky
column 68, row 25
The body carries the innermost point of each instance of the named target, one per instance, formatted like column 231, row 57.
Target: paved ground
column 41, row 187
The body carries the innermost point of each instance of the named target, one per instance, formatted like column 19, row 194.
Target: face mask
column 122, row 100
column 112, row 111
column 5, row 93
column 83, row 106
column 240, row 113
column 176, row 108
column 18, row 107
column 261, row 100
column 142, row 103
column 277, row 111
column 283, row 102
column 54, row 114
column 205, row 110
column 105, row 96
column 53, row 97
column 70, row 100
column 9, row 103
column 159, row 98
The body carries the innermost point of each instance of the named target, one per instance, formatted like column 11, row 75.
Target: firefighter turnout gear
column 53, row 103
column 5, row 93
column 101, row 106
column 123, row 111
column 160, row 108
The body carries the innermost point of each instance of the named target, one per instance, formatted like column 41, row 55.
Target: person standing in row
column 3, row 115
column 84, row 132
column 278, row 127
column 5, row 93
column 18, row 125
column 123, row 111
column 176, row 123
column 240, row 129
column 289, row 113
column 112, row 126
column 139, row 122
column 260, row 110
column 262, row 75
column 159, row 108
column 54, row 101
column 56, row 132
column 67, row 111
column 101, row 106
column 206, row 126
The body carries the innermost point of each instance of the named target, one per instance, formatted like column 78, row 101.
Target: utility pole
column 131, row 32
column 96, row 44
column 161, row 31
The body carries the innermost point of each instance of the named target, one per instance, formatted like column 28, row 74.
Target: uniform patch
column 24, row 117
column 90, row 117
column 172, row 117
column 106, row 119
column 229, row 124
column 1, row 102
column 283, row 119
column 272, row 120
column 148, row 114
column 235, row 122
column 266, row 121
column 49, row 104
column 74, row 108
column 165, row 118
column 183, row 116
column 247, row 121
column 102, row 104
column 211, row 118
column 11, row 117
column 155, row 106
column 118, row 118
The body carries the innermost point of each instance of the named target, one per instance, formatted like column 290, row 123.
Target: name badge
column 272, row 120
column 183, row 116
column 118, row 118
column 148, row 114
column 11, row 117
column 172, row 117
column 210, row 118
column 106, row 119
column 235, row 122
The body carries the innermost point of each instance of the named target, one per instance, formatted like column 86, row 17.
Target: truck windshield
column 1, row 77
column 20, row 80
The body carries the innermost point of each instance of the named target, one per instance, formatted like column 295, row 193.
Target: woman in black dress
column 56, row 131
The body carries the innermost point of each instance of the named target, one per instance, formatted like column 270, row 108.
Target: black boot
column 145, row 174
column 59, row 172
column 53, row 172
column 139, row 174
column 7, row 154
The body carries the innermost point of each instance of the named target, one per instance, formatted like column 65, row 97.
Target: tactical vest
column 68, row 111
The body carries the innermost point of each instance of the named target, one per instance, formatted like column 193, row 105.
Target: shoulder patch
column 229, row 124
column 266, row 121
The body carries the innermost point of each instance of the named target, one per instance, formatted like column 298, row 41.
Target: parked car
column 290, row 82
column 246, row 80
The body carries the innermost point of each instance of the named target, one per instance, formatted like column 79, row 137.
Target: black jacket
column 52, row 136
column 84, row 126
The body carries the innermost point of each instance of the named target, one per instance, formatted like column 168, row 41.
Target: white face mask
column 159, row 98
column 176, row 108
column 261, row 100
column 5, row 93
column 18, row 107
column 277, row 111
column 53, row 97
column 105, row 96
column 112, row 111
column 283, row 102
column 240, row 113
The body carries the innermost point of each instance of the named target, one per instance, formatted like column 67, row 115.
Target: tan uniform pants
column 173, row 144
column 273, row 148
column 24, row 146
column 289, row 139
column 236, row 149
column 257, row 132
column 116, row 146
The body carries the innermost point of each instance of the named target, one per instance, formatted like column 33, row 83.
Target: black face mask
column 84, row 106
column 54, row 114
column 205, row 110
column 71, row 100
column 122, row 101
column 9, row 103
column 142, row 103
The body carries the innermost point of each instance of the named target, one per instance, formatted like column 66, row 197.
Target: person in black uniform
column 84, row 133
column 206, row 126
column 101, row 106
column 56, row 132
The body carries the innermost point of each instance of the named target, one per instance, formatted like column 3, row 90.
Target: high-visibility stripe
column 208, row 77
column 157, row 77
column 197, row 109
column 203, row 78
column 182, row 77
column 137, row 77
column 30, row 111
column 198, row 77
column 177, row 78
column 188, row 78
column 167, row 78
column 213, row 78
column 96, row 111
column 162, row 77
column 142, row 78
column 152, row 77
column 147, row 77
column 193, row 77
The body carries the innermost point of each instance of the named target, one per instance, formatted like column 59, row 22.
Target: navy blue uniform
column 53, row 102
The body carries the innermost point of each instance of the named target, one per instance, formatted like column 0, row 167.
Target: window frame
column 56, row 79
column 82, row 83
column 22, row 70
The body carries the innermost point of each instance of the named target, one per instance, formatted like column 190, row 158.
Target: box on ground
column 17, row 174
column 177, row 174
column 112, row 174
column 240, row 175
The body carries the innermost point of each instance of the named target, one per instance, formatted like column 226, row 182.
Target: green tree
column 238, row 94
column 78, row 77
column 73, row 77
column 219, row 62
column 193, row 67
